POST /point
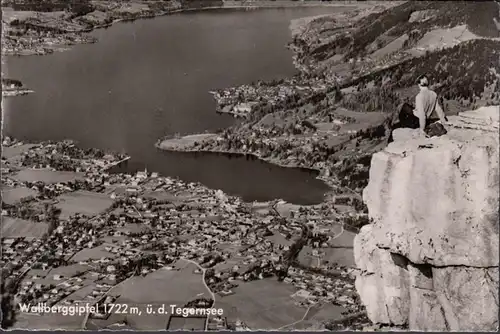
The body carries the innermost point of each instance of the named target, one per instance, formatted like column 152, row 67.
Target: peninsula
column 76, row 231
column 357, row 68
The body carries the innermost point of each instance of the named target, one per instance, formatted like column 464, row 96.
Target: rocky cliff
column 429, row 260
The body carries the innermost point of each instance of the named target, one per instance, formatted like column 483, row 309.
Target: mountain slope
column 413, row 18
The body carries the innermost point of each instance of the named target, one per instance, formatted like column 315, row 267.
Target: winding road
column 87, row 315
column 212, row 294
column 298, row 321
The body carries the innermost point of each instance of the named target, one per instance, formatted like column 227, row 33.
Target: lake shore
column 322, row 146
column 40, row 33
column 14, row 88
column 105, row 212
column 16, row 92
column 55, row 192
column 68, row 219
column 188, row 144
column 271, row 133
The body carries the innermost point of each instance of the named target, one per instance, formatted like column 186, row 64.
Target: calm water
column 149, row 78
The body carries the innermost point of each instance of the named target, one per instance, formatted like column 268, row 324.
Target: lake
column 149, row 78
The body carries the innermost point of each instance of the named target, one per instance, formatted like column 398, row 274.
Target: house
column 11, row 84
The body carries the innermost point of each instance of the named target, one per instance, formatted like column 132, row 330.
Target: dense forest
column 458, row 73
column 13, row 82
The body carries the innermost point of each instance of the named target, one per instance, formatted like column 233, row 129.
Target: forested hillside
column 414, row 18
column 469, row 73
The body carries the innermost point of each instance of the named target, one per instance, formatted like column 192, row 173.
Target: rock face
column 430, row 258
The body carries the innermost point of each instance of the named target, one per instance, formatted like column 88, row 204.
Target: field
column 229, row 263
column 14, row 228
column 64, row 272
column 265, row 304
column 442, row 38
column 47, row 176
column 9, row 15
column 48, row 321
column 390, row 48
column 341, row 256
column 165, row 196
column 11, row 196
column 10, row 152
column 184, row 142
column 70, row 270
column 162, row 287
column 344, row 240
column 81, row 293
column 286, row 209
column 93, row 254
column 83, row 202
column 180, row 323
column 318, row 315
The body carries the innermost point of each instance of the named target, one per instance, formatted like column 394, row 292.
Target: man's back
column 425, row 102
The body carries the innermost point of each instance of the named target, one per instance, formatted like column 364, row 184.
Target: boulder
column 428, row 315
column 405, row 134
column 469, row 296
column 383, row 282
column 430, row 258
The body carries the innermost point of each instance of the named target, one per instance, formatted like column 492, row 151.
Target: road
column 319, row 262
column 87, row 315
column 212, row 294
column 296, row 322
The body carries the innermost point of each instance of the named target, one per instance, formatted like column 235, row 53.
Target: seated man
column 426, row 102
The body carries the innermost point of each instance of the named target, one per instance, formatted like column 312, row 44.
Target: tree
column 7, row 290
column 52, row 214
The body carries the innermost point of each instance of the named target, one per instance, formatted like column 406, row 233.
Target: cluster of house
column 12, row 87
column 153, row 222
column 275, row 143
column 35, row 42
column 241, row 100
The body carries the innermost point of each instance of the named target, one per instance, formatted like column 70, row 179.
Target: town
column 39, row 28
column 73, row 231
column 86, row 246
